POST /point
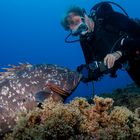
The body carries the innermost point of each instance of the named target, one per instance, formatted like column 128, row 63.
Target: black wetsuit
column 114, row 32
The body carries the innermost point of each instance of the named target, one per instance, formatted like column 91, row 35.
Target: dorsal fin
column 13, row 69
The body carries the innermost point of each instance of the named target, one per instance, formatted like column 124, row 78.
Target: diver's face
column 74, row 21
column 76, row 24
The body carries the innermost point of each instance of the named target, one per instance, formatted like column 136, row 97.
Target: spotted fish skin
column 19, row 88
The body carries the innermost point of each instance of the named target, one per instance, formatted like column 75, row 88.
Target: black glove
column 89, row 72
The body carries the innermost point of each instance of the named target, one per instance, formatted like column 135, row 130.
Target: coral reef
column 78, row 120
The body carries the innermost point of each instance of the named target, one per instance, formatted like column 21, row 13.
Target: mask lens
column 81, row 29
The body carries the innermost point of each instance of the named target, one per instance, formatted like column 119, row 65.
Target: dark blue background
column 30, row 31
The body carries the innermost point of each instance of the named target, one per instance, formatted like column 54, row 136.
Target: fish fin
column 13, row 69
column 57, row 89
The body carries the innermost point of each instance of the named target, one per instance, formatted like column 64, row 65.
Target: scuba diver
column 109, row 39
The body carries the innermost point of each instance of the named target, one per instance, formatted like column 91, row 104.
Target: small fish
column 25, row 86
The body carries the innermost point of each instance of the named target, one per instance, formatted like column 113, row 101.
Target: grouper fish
column 25, row 86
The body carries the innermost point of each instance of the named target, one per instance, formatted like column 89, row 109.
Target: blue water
column 30, row 31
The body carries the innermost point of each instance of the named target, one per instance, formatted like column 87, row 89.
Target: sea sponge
column 77, row 120
column 121, row 115
column 102, row 104
column 100, row 110
column 80, row 103
column 54, row 121
column 96, row 116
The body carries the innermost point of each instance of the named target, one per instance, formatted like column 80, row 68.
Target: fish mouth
column 77, row 80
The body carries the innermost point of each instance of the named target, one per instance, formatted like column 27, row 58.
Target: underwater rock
column 25, row 86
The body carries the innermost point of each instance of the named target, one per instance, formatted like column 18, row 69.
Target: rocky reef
column 78, row 120
column 128, row 97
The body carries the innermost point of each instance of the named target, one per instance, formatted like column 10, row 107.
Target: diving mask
column 80, row 30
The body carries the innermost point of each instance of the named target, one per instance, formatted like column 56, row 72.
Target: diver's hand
column 110, row 59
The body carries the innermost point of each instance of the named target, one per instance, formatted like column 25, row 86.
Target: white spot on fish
column 19, row 103
column 33, row 82
column 23, row 108
column 6, row 102
column 9, row 96
column 14, row 88
column 30, row 95
column 16, row 82
column 11, row 85
column 5, row 120
column 27, row 85
column 9, row 126
column 35, row 75
column 18, row 91
column 14, row 100
column 24, row 75
column 19, row 85
column 23, row 90
column 29, row 77
column 13, row 94
column 4, row 90
column 48, row 75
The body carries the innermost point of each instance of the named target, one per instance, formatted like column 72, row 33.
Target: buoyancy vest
column 106, row 36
